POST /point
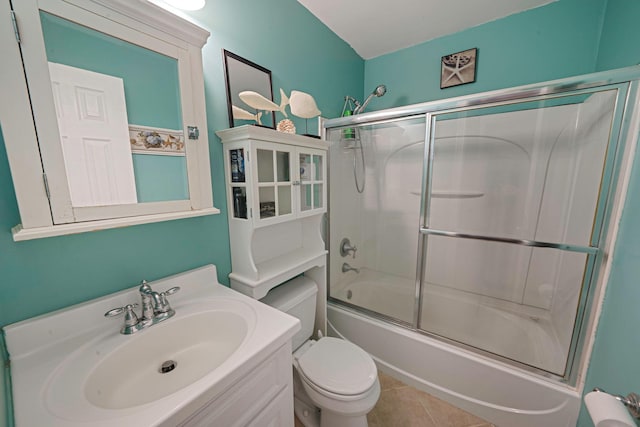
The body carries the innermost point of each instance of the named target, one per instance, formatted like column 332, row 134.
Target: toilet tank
column 297, row 297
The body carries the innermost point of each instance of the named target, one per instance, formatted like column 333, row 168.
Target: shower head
column 377, row 92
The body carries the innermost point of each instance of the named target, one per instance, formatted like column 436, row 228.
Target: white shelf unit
column 276, row 200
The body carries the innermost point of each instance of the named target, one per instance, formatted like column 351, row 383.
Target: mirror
column 244, row 75
column 119, row 114
column 149, row 100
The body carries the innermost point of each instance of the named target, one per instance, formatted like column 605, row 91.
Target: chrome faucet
column 147, row 305
column 346, row 267
column 156, row 304
column 155, row 309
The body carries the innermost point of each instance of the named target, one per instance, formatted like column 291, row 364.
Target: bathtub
column 501, row 394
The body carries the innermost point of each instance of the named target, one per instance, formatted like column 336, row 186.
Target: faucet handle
column 118, row 311
column 170, row 291
column 130, row 317
column 163, row 307
column 346, row 247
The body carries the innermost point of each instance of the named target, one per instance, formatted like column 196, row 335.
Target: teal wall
column 38, row 276
column 565, row 38
column 160, row 178
column 149, row 79
column 46, row 274
column 619, row 45
column 550, row 42
column 147, row 75
column 614, row 363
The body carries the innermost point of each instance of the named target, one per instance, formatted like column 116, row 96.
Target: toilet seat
column 337, row 368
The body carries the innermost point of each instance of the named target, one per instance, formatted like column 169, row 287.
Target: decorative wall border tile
column 156, row 141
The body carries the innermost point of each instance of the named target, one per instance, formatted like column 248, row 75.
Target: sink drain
column 168, row 366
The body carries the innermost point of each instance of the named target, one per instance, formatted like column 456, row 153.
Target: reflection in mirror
column 119, row 116
column 244, row 75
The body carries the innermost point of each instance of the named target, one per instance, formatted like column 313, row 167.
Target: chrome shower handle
column 346, row 248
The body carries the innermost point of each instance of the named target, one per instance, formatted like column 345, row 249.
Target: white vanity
column 230, row 360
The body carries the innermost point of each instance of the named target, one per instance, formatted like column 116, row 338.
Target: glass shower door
column 375, row 179
column 510, row 232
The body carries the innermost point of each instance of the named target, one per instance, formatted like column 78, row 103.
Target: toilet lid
column 338, row 366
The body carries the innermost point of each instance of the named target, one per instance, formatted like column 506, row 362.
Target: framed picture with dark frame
column 243, row 75
column 458, row 68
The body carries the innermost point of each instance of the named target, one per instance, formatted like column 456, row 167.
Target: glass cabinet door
column 311, row 181
column 274, row 182
column 238, row 183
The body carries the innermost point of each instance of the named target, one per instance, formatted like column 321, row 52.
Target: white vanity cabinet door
column 264, row 393
column 277, row 413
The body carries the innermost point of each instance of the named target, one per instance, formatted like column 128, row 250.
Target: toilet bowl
column 335, row 382
column 339, row 378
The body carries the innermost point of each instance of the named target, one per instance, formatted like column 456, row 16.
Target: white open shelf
column 277, row 270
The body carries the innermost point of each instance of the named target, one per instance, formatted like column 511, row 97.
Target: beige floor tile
column 400, row 407
column 387, row 382
column 297, row 422
column 372, row 419
column 447, row 415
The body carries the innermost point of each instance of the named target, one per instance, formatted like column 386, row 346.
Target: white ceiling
column 376, row 27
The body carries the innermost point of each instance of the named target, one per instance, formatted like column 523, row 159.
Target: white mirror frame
column 34, row 148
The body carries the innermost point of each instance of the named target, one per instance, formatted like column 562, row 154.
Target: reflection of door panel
column 92, row 119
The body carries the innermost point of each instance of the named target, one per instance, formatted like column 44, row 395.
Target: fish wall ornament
column 303, row 105
column 259, row 102
column 240, row 114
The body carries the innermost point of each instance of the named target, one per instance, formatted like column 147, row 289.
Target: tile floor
column 403, row 406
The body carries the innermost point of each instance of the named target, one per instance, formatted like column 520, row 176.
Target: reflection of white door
column 92, row 118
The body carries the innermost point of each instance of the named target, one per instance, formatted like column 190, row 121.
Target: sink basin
column 113, row 372
column 190, row 347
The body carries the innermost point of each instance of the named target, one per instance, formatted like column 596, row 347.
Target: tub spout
column 346, row 267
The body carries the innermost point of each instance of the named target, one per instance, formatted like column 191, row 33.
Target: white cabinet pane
column 317, row 196
column 267, row 199
column 305, row 197
column 239, row 195
column 284, row 200
column 317, row 165
column 305, row 167
column 282, row 161
column 265, row 165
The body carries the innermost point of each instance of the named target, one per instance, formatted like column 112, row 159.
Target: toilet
column 335, row 382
